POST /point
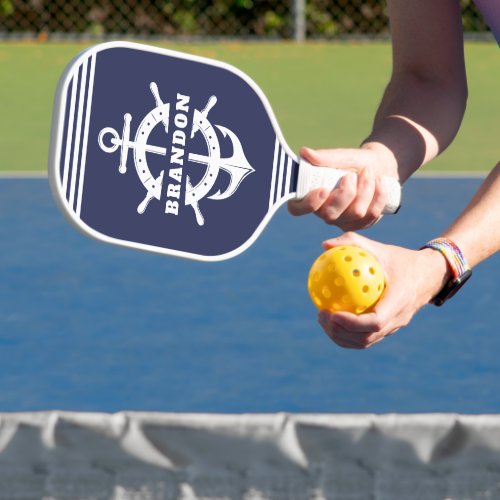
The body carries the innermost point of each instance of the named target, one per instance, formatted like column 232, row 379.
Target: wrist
column 437, row 273
column 388, row 165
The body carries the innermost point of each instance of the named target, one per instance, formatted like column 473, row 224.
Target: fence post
column 299, row 20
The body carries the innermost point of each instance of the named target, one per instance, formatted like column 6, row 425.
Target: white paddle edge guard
column 55, row 146
column 312, row 177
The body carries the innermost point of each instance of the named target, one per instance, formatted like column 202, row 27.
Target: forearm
column 424, row 102
column 416, row 121
column 477, row 230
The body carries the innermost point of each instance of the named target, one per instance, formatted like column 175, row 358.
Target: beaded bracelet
column 452, row 254
column 459, row 267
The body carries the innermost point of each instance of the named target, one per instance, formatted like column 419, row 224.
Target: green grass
column 323, row 94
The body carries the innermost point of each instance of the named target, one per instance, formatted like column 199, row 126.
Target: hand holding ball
column 346, row 278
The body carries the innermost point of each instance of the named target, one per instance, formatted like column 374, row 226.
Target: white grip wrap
column 312, row 177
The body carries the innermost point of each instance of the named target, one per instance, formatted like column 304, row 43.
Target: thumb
column 354, row 159
column 349, row 238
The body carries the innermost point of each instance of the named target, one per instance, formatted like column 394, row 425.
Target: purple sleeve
column 490, row 9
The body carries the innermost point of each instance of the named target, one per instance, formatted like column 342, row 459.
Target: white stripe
column 69, row 132
column 76, row 154
column 273, row 178
column 85, row 137
column 280, row 174
column 287, row 187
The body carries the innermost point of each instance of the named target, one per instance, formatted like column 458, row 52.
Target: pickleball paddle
column 168, row 152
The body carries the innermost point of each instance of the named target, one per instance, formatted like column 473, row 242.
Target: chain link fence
column 282, row 19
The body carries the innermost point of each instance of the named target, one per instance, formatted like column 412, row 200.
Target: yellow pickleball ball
column 346, row 278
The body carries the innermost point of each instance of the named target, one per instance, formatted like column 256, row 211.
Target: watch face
column 451, row 288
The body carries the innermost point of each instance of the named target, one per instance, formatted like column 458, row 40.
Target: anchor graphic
column 159, row 114
column 237, row 165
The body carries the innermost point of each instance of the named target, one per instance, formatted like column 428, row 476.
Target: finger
column 345, row 344
column 374, row 211
column 379, row 198
column 365, row 324
column 342, row 341
column 382, row 321
column 341, row 336
column 353, row 340
column 339, row 199
column 310, row 203
column 364, row 195
column 348, row 238
column 357, row 224
column 357, row 215
column 335, row 328
column 313, row 156
column 361, row 340
column 378, row 250
column 337, row 158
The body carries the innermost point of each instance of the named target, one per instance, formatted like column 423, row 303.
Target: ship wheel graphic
column 236, row 165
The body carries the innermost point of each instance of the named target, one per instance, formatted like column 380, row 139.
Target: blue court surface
column 86, row 326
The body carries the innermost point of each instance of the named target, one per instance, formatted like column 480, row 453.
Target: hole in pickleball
column 372, row 270
column 327, row 293
column 317, row 300
column 348, row 258
column 366, row 289
column 339, row 281
column 356, row 273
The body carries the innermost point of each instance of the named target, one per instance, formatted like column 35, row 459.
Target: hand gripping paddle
column 172, row 153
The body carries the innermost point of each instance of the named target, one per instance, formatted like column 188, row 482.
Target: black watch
column 451, row 288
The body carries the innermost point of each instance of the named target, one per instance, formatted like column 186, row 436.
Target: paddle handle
column 312, row 177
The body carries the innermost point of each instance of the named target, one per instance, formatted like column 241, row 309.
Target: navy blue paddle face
column 166, row 152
